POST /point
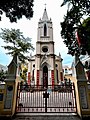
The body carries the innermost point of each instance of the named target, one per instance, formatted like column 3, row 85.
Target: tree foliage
column 16, row 43
column 15, row 9
column 74, row 21
column 23, row 73
column 84, row 35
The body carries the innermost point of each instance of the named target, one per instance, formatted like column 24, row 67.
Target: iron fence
column 57, row 98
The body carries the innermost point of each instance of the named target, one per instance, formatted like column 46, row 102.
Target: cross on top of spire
column 45, row 5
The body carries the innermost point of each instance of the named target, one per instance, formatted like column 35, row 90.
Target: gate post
column 82, row 92
column 10, row 97
column 10, row 92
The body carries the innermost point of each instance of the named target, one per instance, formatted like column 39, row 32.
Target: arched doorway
column 45, row 76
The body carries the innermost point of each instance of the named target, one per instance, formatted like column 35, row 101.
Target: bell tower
column 45, row 35
column 45, row 57
column 45, row 29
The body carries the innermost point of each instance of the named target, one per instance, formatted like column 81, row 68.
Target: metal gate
column 55, row 99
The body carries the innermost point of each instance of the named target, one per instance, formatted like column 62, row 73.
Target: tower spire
column 45, row 16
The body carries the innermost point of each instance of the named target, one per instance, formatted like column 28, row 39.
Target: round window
column 44, row 49
column 10, row 88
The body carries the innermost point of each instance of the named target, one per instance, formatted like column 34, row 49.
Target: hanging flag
column 81, row 40
column 78, row 39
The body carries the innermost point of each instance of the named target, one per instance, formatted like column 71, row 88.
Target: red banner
column 80, row 40
column 37, row 77
column 52, row 73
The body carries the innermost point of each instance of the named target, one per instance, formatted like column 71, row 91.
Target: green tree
column 74, row 20
column 16, row 43
column 15, row 9
column 23, row 74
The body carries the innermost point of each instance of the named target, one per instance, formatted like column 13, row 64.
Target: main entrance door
column 56, row 99
column 45, row 77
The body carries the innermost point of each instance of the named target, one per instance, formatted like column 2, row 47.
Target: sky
column 29, row 29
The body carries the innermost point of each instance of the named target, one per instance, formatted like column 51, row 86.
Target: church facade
column 45, row 68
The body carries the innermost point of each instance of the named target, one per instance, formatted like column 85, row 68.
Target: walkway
column 39, row 116
column 48, row 118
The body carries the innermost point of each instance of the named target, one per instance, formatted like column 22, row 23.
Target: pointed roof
column 45, row 16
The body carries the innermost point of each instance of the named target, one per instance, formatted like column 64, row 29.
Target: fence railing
column 56, row 98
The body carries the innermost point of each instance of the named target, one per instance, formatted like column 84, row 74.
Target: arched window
column 45, row 30
column 33, row 75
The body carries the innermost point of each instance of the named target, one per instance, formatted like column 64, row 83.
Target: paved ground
column 48, row 118
column 45, row 117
